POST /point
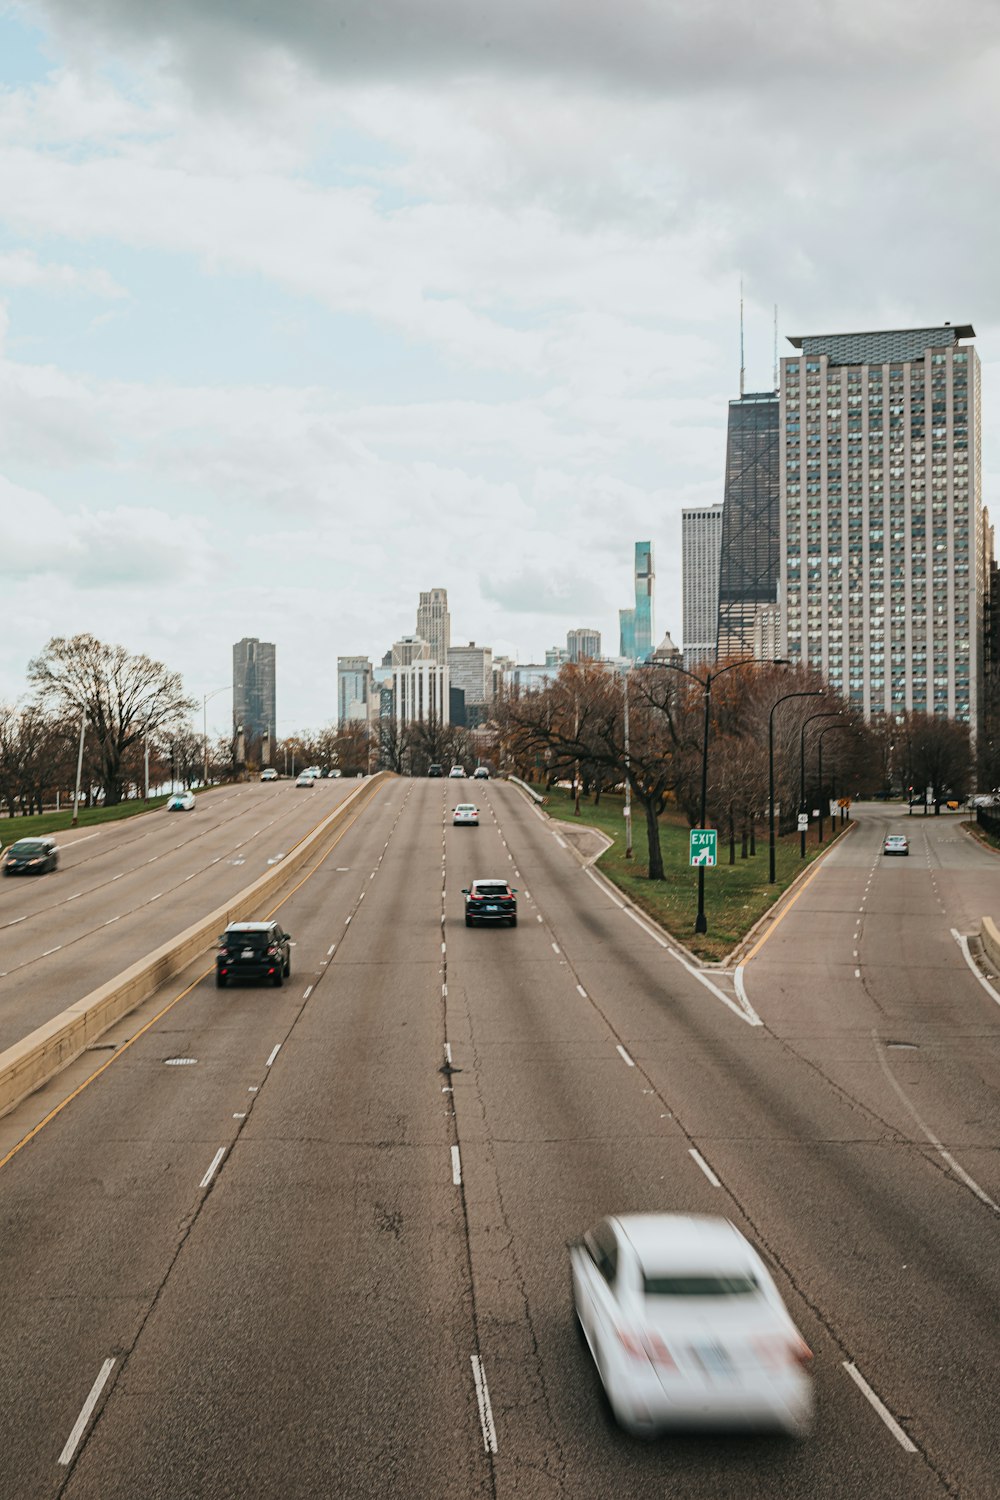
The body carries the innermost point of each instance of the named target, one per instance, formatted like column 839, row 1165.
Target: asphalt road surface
column 124, row 888
column 312, row 1241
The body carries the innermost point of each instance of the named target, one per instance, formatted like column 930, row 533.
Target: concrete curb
column 990, row 939
column 31, row 1062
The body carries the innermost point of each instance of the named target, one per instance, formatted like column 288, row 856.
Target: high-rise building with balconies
column 882, row 525
column 701, row 539
column 583, row 644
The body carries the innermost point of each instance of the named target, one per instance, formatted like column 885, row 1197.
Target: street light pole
column 628, row 781
column 830, row 729
column 79, row 767
column 829, row 714
column 204, row 725
column 813, row 693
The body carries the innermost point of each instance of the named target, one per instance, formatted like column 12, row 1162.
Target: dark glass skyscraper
column 254, row 686
column 749, row 562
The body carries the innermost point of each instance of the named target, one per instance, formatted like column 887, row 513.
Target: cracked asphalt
column 326, row 1251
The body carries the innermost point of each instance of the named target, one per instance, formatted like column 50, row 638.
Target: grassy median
column 735, row 895
column 56, row 822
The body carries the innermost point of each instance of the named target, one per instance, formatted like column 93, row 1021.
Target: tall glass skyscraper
column 637, row 625
column 254, row 686
column 749, row 558
column 884, row 540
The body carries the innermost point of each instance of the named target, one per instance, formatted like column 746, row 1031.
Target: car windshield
column 27, row 846
column 491, row 890
column 699, row 1286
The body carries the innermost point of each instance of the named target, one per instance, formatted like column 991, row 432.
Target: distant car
column 896, row 843
column 181, row 802
column 457, row 772
column 313, row 771
column 31, row 857
column 269, row 774
column 480, row 774
column 490, row 901
column 687, row 1327
column 466, row 813
column 253, row 950
column 435, row 770
column 336, row 772
column 305, row 778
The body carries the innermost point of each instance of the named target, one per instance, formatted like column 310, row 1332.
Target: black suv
column 253, row 950
column 435, row 770
column 490, row 901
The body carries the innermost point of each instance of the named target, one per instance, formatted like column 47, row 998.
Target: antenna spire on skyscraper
column 775, row 365
column 742, row 368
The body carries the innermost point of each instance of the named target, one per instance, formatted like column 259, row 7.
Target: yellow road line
column 818, row 865
column 25, row 1140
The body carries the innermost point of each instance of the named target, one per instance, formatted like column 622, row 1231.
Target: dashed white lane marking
column 628, row 1061
column 855, row 953
column 216, row 1159
column 447, row 1052
column 946, row 1156
column 883, row 1411
column 86, row 1412
column 240, row 1116
column 963, row 943
column 307, row 992
column 444, row 991
column 329, row 951
column 122, row 875
column 444, row 947
column 157, row 896
column 75, row 897
column 485, row 1408
column 20, row 919
column 581, row 991
column 52, row 950
column 537, row 918
column 456, row 1166
column 274, row 1053
column 703, row 1164
column 555, row 947
column 857, row 973
column 347, row 922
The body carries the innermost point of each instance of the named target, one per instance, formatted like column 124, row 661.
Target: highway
column 312, row 1241
column 124, row 888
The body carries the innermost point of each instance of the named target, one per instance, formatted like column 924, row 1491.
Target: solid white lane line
column 216, row 1159
column 485, row 1408
column 883, row 1411
column 555, row 947
column 703, row 1164
column 274, row 1053
column 86, row 1412
column 456, row 1167
column 946, row 1156
column 648, row 930
column 963, row 943
column 559, row 841
column 307, row 992
column 625, row 1055
column 581, row 991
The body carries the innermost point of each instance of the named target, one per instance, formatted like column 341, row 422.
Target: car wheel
column 220, row 981
column 468, row 920
column 513, row 921
column 288, row 968
column 278, row 979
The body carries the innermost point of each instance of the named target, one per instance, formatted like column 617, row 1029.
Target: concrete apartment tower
column 583, row 644
column 434, row 623
column 701, row 541
column 883, row 532
column 354, row 689
column 254, row 686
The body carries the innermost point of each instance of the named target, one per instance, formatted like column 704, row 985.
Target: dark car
column 253, row 950
column 31, row 857
column 490, row 901
column 435, row 770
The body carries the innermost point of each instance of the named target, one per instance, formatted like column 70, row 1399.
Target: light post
column 812, row 693
column 628, row 782
column 705, row 683
column 204, row 723
column 833, row 713
column 79, row 768
column 830, row 729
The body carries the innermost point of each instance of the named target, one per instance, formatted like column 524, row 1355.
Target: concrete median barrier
column 990, row 939
column 31, row 1062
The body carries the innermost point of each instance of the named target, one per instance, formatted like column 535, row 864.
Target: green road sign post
column 704, row 846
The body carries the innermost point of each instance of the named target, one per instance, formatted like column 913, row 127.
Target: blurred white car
column 466, row 813
column 305, row 778
column 269, row 774
column 895, row 843
column 457, row 772
column 181, row 802
column 687, row 1328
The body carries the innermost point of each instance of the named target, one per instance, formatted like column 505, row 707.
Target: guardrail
column 535, row 796
column 42, row 1054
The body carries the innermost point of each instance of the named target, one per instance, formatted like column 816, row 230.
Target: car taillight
column 644, row 1344
column 800, row 1353
column 631, row 1344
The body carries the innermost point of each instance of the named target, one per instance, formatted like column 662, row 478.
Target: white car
column 457, row 773
column 467, row 814
column 181, row 802
column 305, row 778
column 687, row 1328
column 269, row 774
column 896, row 843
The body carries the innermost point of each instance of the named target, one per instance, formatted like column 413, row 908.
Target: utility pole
column 79, row 767
column 628, row 780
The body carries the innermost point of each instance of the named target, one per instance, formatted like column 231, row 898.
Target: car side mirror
column 464, row 891
column 513, row 890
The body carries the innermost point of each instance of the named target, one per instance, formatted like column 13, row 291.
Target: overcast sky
column 306, row 305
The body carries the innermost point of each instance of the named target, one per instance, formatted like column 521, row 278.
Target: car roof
column 666, row 1242
column 466, row 807
column 491, row 880
column 251, row 926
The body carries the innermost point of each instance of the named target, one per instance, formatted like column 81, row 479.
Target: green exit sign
column 704, row 847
